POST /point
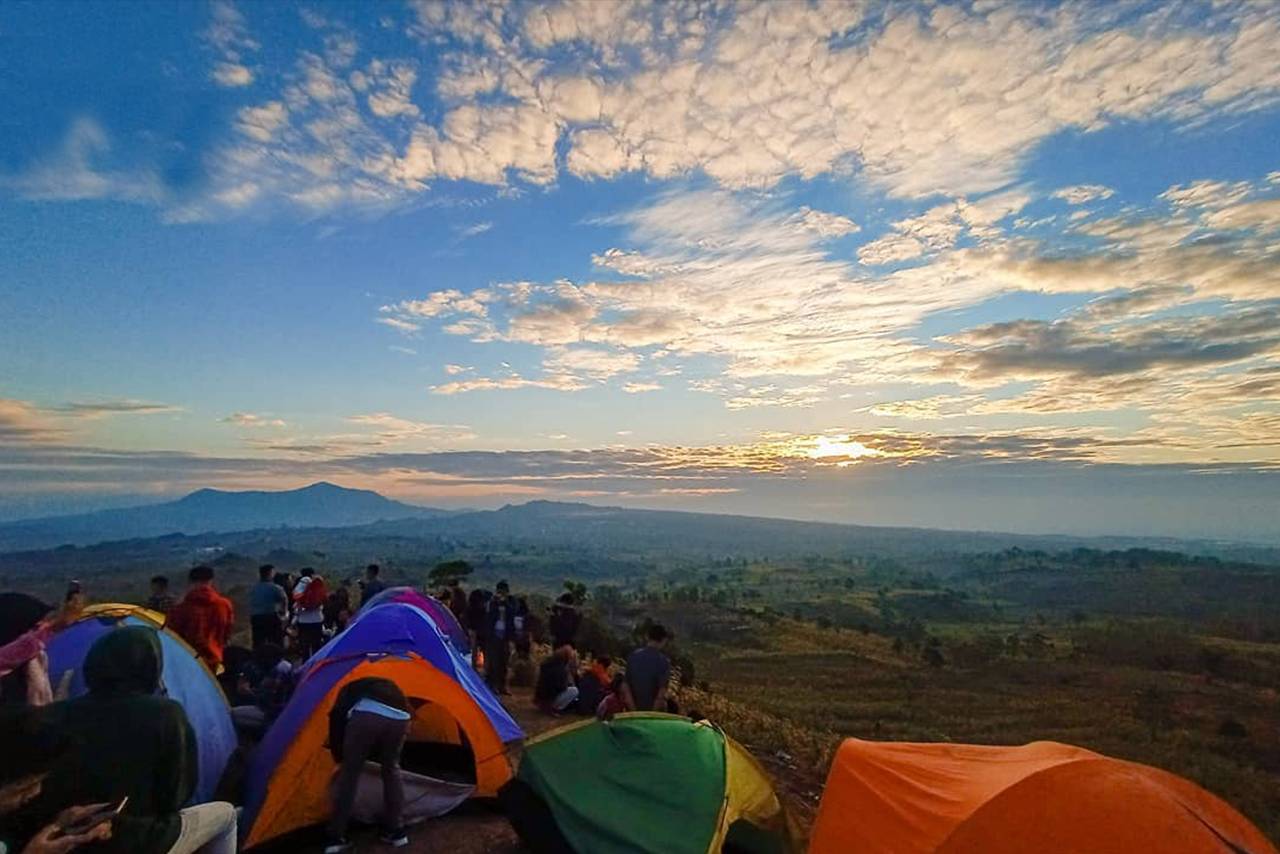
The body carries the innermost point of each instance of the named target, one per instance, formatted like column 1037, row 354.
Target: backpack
column 314, row 596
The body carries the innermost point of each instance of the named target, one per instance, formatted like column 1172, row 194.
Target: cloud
column 398, row 324
column 640, row 387
column 228, row 35
column 903, row 99
column 229, row 74
column 103, row 408
column 1083, row 193
column 249, row 419
column 75, row 172
column 562, row 382
column 474, row 230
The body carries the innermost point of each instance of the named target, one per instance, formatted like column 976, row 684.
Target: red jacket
column 203, row 619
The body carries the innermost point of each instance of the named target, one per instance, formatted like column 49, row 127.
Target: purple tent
column 438, row 611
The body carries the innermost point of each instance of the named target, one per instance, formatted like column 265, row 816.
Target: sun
column 840, row 446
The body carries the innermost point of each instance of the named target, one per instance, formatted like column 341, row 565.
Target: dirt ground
column 482, row 829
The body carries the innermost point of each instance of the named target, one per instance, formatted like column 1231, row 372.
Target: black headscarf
column 123, row 662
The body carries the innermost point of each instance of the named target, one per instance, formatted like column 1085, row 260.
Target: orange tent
column 1041, row 797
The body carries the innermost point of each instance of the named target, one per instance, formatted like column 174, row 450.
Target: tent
column 644, row 782
column 914, row 798
column 460, row 732
column 186, row 680
column 439, row 612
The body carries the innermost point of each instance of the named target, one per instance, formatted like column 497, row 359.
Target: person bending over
column 369, row 721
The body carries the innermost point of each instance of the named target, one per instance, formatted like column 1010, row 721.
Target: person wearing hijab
column 126, row 740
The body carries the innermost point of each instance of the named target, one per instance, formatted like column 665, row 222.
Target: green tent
column 644, row 782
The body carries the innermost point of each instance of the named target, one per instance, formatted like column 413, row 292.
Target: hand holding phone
column 77, row 821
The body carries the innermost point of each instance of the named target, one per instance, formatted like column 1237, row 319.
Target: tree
column 577, row 590
column 447, row 572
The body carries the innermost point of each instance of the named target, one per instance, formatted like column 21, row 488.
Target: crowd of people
column 116, row 767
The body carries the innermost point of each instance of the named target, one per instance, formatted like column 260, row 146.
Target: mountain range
column 320, row 505
column 605, row 532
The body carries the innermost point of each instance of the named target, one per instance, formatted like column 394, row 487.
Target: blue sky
column 860, row 262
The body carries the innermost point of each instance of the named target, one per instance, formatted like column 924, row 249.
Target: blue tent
column 185, row 677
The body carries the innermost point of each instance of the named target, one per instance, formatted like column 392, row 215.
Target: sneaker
column 395, row 838
column 338, row 846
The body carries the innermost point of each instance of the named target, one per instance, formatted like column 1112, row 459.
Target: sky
column 963, row 265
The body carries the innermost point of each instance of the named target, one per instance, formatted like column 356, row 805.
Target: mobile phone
column 88, row 822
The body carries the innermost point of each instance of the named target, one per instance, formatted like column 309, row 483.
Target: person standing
column 648, row 672
column 499, row 631
column 564, row 621
column 373, row 585
column 160, row 600
column 309, row 597
column 369, row 721
column 268, row 604
column 203, row 618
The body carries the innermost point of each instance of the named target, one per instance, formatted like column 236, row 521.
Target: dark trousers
column 370, row 737
column 267, row 628
column 310, row 638
column 496, row 654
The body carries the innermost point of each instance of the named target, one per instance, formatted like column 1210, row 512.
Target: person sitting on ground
column 648, row 672
column 372, row 584
column 309, row 596
column 564, row 622
column 612, row 704
column 556, row 692
column 594, row 684
column 124, row 740
column 160, row 600
column 263, row 687
column 203, row 618
column 369, row 721
column 267, row 606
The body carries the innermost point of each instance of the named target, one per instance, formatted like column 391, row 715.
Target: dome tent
column 457, row 721
column 186, row 680
column 644, row 782
column 916, row 798
column 438, row 611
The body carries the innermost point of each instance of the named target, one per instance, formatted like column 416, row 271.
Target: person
column 337, row 608
column 648, row 671
column 594, row 684
column 564, row 621
column 160, row 600
column 309, row 596
column 556, row 692
column 124, row 740
column 262, row 689
column 203, row 618
column 267, row 606
column 369, row 721
column 372, row 584
column 613, row 702
column 477, row 611
column 457, row 601
column 26, row 626
column 499, row 629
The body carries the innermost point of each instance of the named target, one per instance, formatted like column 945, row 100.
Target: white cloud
column 473, row 230
column 1082, row 193
column 252, row 420
column 640, row 387
column 554, row 383
column 75, row 172
column 398, row 324
column 1207, row 194
column 232, row 74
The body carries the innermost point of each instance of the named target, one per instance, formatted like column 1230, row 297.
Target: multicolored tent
column 943, row 798
column 644, row 782
column 289, row 773
column 186, row 680
column 439, row 612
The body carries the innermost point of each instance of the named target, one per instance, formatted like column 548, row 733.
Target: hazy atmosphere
column 964, row 265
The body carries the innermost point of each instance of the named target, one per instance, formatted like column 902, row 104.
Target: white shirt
column 373, row 707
